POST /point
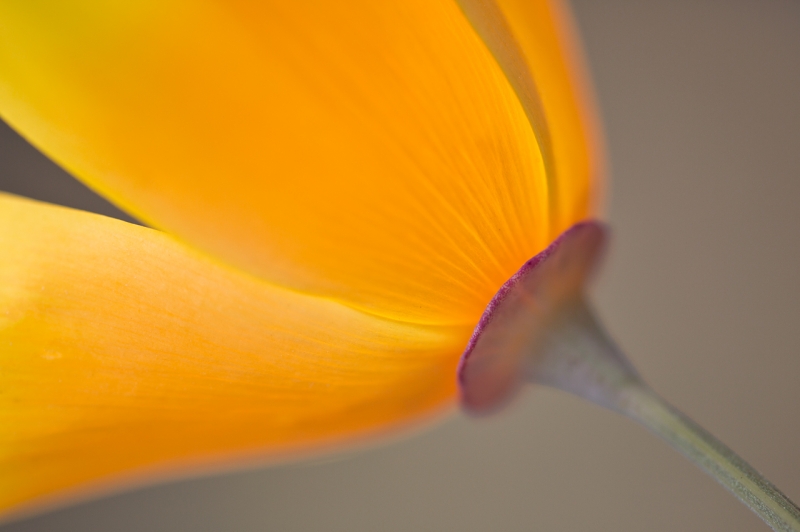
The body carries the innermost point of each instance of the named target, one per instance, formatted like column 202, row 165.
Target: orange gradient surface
column 374, row 152
column 120, row 348
column 358, row 178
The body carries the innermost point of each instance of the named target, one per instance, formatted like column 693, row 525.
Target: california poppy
column 342, row 188
column 365, row 174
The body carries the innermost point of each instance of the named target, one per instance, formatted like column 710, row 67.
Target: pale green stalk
column 580, row 358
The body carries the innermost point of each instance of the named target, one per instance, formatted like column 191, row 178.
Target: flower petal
column 123, row 352
column 534, row 42
column 372, row 152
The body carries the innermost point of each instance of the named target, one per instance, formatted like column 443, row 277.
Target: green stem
column 579, row 357
column 699, row 446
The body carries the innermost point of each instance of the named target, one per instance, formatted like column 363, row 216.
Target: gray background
column 701, row 101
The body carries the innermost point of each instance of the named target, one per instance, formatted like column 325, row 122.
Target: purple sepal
column 570, row 258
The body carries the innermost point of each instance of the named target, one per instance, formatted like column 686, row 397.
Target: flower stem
column 699, row 446
column 579, row 357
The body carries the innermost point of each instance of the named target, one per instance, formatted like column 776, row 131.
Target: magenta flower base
column 517, row 319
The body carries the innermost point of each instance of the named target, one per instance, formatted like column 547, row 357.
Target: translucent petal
column 124, row 354
column 535, row 44
column 371, row 152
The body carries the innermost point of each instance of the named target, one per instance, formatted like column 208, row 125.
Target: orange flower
column 368, row 175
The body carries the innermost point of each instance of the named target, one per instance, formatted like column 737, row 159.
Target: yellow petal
column 124, row 354
column 368, row 151
column 535, row 43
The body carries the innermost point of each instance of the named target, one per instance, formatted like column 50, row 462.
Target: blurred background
column 701, row 104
